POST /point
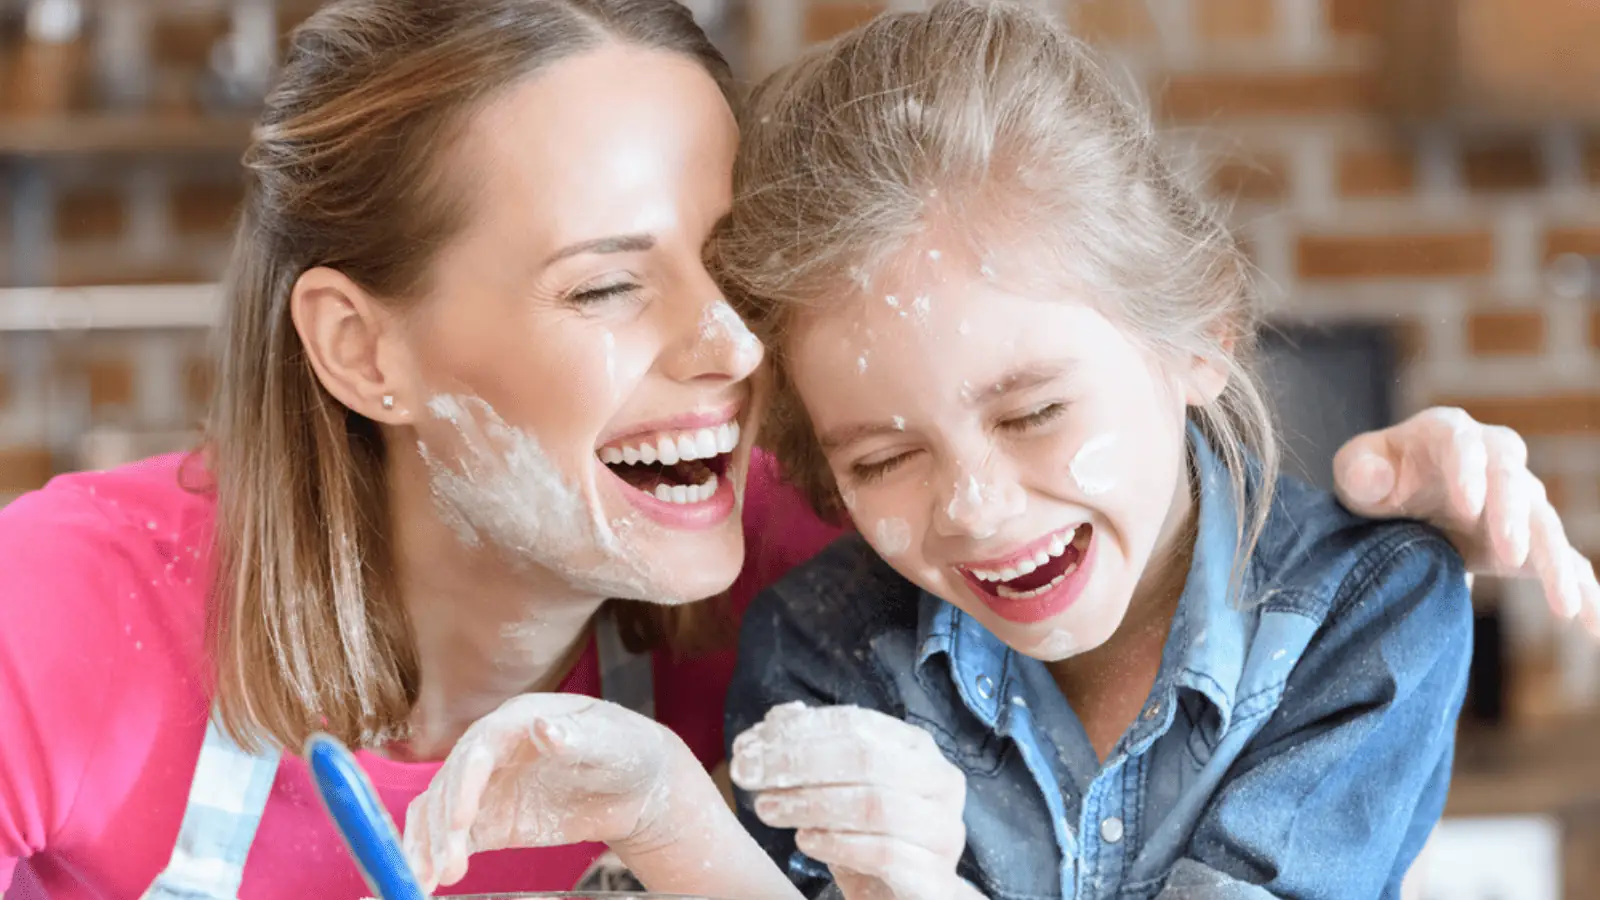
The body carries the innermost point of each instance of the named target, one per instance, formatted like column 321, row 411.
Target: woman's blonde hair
column 987, row 119
column 348, row 168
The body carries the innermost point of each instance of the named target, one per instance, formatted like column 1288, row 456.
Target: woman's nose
column 716, row 344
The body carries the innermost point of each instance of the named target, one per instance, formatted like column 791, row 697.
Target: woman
column 427, row 472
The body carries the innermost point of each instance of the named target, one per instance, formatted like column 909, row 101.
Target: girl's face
column 1013, row 453
column 580, row 385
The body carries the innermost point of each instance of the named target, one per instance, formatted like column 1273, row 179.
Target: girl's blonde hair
column 988, row 119
column 350, row 167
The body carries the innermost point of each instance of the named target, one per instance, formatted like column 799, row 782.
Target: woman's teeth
column 686, row 494
column 669, row 449
column 1058, row 546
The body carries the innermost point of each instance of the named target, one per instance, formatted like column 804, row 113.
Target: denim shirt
column 1297, row 744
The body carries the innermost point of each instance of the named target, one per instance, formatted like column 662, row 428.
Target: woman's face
column 582, row 390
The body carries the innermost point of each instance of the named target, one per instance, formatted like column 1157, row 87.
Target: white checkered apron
column 230, row 788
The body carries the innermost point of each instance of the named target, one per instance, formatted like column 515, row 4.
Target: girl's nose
column 977, row 506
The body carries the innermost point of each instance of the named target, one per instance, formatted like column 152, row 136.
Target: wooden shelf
column 114, row 308
column 102, row 134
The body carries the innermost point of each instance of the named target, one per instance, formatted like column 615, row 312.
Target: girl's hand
column 1472, row 482
column 544, row 770
column 869, row 795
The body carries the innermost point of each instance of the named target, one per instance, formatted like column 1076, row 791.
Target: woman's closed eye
column 602, row 293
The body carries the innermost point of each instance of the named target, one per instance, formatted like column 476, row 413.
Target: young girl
column 1135, row 662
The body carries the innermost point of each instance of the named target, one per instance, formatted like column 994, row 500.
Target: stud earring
column 388, row 401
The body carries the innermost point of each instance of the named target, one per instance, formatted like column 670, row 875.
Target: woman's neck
column 486, row 631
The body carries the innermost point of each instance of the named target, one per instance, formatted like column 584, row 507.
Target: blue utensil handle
column 361, row 819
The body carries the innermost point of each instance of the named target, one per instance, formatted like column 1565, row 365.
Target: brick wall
column 1449, row 240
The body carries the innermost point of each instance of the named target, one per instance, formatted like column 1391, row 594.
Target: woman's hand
column 870, row 796
column 1472, row 482
column 544, row 770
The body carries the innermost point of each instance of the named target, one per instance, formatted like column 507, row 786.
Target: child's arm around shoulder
column 1336, row 794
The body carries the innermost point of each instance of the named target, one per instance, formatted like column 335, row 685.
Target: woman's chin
column 677, row 567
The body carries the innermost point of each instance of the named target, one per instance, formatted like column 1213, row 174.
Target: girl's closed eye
column 871, row 471
column 1041, row 416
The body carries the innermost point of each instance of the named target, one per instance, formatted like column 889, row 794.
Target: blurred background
column 1418, row 181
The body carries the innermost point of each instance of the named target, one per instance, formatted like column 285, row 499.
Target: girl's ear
column 1205, row 380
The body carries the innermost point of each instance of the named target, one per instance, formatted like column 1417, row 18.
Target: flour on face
column 610, row 342
column 720, row 324
column 982, row 507
column 503, row 490
column 892, row 537
column 1058, row 644
column 1092, row 467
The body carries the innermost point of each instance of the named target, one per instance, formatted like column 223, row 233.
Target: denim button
column 985, row 686
column 1153, row 711
column 1111, row 830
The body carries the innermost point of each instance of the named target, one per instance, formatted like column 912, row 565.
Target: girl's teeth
column 1058, row 546
column 647, row 453
column 667, row 451
column 1009, row 594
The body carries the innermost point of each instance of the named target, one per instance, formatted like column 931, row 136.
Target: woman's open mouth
column 678, row 478
column 1038, row 583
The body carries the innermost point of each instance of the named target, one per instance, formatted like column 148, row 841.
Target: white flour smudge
column 504, row 490
column 1058, row 644
column 892, row 536
column 720, row 323
column 981, row 507
column 610, row 341
column 1092, row 466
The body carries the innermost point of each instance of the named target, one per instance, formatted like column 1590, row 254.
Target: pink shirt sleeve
column 58, row 659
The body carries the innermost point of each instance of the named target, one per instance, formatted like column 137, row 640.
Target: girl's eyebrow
column 1021, row 379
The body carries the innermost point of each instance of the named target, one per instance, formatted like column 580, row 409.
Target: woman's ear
column 352, row 343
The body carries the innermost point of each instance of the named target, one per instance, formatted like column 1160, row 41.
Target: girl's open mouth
column 1040, row 583
column 680, row 477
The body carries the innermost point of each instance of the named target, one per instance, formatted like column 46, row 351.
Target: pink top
column 103, row 583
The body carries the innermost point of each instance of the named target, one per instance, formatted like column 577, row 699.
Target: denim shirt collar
column 1205, row 650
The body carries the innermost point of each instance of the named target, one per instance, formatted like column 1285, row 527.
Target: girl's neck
column 485, row 631
column 1109, row 685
